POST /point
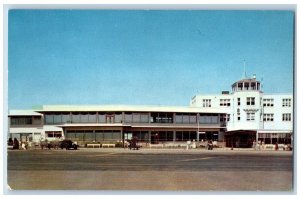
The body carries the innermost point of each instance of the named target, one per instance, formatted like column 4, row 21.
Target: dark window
column 250, row 100
column 161, row 117
column 22, row 120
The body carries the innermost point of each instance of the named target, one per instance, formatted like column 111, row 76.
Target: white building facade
column 252, row 116
column 238, row 118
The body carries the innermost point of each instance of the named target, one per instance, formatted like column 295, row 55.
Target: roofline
column 24, row 113
column 126, row 108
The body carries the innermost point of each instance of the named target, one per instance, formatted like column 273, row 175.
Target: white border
column 113, row 4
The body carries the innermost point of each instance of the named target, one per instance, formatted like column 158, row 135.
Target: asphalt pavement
column 151, row 169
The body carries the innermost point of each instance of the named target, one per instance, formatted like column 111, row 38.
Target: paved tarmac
column 151, row 169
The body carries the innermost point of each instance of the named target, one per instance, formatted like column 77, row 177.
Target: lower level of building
column 85, row 135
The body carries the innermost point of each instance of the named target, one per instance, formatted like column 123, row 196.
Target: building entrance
column 240, row 139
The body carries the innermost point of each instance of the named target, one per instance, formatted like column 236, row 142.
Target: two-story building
column 116, row 123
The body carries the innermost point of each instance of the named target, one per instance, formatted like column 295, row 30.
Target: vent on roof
column 225, row 92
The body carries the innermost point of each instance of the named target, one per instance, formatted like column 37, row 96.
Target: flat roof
column 128, row 108
column 24, row 113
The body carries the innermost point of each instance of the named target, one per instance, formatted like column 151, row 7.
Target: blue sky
column 143, row 57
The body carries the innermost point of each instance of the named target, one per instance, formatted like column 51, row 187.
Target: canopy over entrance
column 240, row 138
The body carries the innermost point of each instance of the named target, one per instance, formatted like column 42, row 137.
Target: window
column 238, row 101
column 136, row 118
column 118, row 117
column 225, row 118
column 286, row 117
column 268, row 102
column 75, row 117
column 209, row 119
column 286, row 102
column 206, row 102
column 101, row 118
column 66, row 118
column 92, row 118
column 53, row 134
column 250, row 116
column 186, row 118
column 161, row 117
column 224, row 102
column 269, row 117
column 238, row 114
column 84, row 117
column 109, row 118
column 21, row 120
column 144, row 117
column 48, row 118
column 250, row 100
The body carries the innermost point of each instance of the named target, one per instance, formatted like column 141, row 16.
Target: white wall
column 258, row 108
column 278, row 110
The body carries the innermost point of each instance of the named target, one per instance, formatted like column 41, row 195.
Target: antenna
column 244, row 75
column 261, row 81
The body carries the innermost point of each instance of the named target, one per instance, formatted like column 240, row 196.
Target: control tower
column 246, row 84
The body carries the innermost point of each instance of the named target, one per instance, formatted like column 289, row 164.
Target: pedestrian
column 23, row 146
column 276, row 147
column 16, row 144
column 254, row 144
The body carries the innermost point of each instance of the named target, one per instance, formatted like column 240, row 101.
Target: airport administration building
column 233, row 119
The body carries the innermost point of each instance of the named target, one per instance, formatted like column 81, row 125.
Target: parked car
column 10, row 143
column 68, row 144
column 133, row 144
column 210, row 145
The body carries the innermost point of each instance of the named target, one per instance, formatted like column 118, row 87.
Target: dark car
column 133, row 144
column 68, row 144
column 10, row 143
column 210, row 145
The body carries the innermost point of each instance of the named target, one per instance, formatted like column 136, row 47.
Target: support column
column 174, row 136
column 94, row 135
column 256, row 139
column 65, row 133
column 122, row 138
column 149, row 137
column 198, row 123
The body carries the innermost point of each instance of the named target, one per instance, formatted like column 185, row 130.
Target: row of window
column 269, row 102
column 25, row 120
column 269, row 117
column 98, row 136
column 180, row 118
column 156, row 136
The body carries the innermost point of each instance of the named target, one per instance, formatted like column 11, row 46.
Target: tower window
column 250, row 100
column 250, row 116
